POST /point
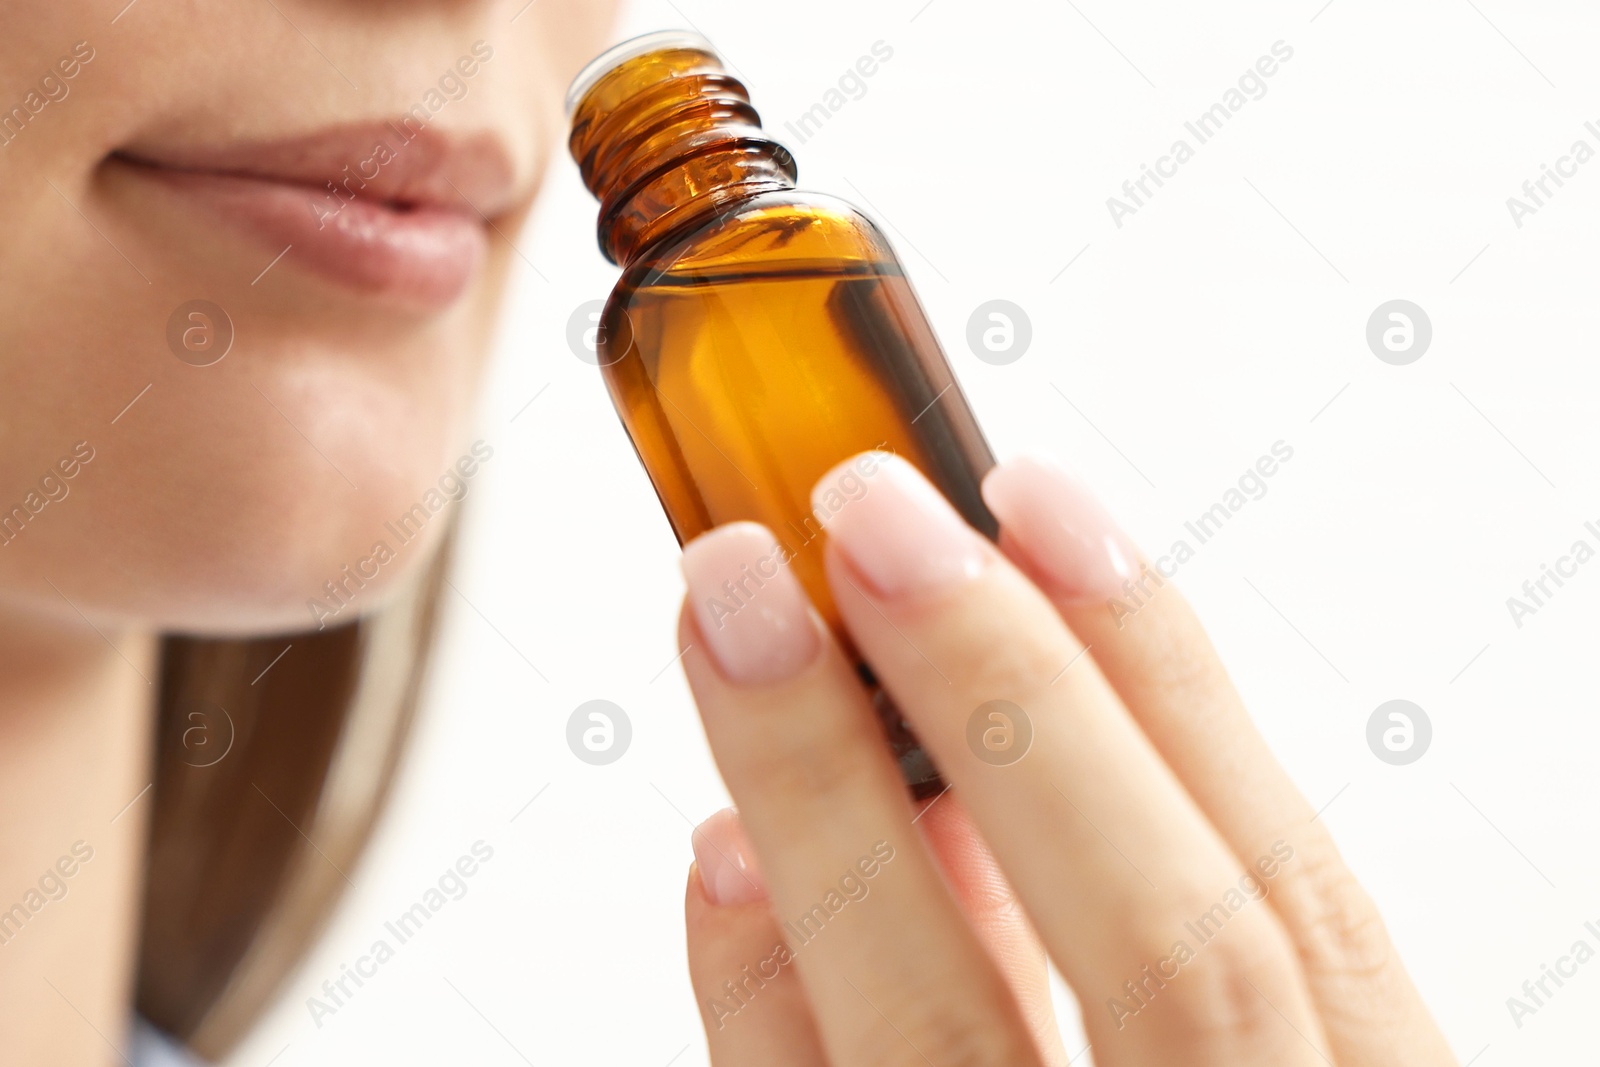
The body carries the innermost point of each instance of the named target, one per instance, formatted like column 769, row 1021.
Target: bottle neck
column 667, row 139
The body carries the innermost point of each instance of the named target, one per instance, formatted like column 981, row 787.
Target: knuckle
column 807, row 762
column 1180, row 660
column 1225, row 995
column 952, row 1035
column 1337, row 927
column 1208, row 971
column 815, row 736
column 996, row 648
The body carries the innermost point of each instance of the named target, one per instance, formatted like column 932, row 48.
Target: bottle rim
column 633, row 47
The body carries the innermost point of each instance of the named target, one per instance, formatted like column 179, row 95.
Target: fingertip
column 726, row 861
column 846, row 481
column 751, row 612
column 693, row 890
column 895, row 529
column 1073, row 545
column 698, row 910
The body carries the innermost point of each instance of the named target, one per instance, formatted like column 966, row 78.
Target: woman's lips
column 361, row 207
column 422, row 253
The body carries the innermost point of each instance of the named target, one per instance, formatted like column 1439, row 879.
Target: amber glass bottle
column 758, row 335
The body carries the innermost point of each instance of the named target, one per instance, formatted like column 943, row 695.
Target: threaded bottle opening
column 662, row 135
column 612, row 58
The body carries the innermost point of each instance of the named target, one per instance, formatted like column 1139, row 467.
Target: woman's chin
column 236, row 540
column 170, row 580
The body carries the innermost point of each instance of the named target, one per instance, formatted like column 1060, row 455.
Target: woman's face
column 319, row 193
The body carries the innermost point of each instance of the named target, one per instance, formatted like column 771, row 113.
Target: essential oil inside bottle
column 758, row 335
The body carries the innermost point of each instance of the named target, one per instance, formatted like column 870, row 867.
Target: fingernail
column 1062, row 530
column 750, row 609
column 722, row 854
column 895, row 529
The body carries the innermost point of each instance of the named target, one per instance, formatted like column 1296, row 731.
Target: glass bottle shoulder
column 773, row 233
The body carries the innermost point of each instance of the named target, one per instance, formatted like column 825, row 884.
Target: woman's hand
column 1107, row 790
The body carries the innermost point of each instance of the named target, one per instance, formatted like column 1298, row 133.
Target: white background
column 1227, row 314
